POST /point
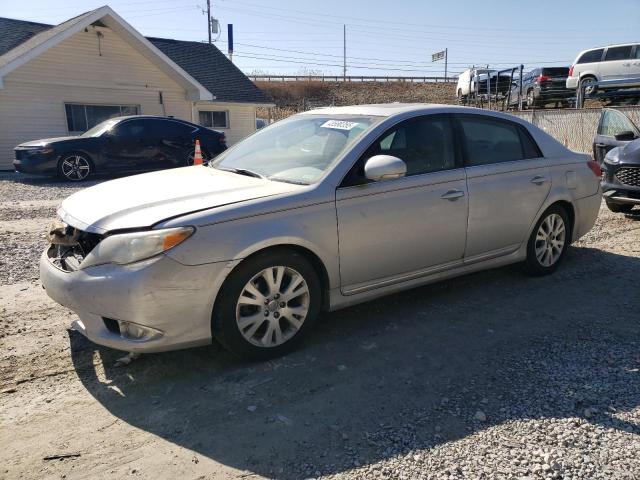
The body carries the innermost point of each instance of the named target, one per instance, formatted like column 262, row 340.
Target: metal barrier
column 349, row 78
column 615, row 89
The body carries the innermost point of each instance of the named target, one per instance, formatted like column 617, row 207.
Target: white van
column 615, row 62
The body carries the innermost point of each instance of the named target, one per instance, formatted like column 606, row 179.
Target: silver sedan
column 322, row 210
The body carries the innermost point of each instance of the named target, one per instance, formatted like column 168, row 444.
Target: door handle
column 538, row 180
column 452, row 195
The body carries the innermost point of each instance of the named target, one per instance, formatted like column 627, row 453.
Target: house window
column 219, row 119
column 81, row 118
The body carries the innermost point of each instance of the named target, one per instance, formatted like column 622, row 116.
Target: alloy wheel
column 272, row 306
column 550, row 240
column 75, row 168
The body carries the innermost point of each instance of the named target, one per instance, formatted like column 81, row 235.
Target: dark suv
column 119, row 145
column 541, row 86
column 617, row 148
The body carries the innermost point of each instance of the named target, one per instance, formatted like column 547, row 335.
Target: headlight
column 613, row 156
column 127, row 248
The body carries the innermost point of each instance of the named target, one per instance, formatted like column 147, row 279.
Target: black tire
column 619, row 207
column 589, row 90
column 531, row 101
column 532, row 264
column 75, row 167
column 224, row 325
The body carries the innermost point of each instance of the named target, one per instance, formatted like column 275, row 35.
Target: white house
column 61, row 80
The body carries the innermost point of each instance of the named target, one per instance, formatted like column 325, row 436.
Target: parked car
column 542, row 86
column 617, row 147
column 122, row 144
column 322, row 210
column 614, row 62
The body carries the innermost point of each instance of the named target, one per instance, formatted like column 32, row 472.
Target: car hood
column 143, row 200
column 46, row 141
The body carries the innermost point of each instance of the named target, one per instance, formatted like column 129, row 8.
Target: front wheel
column 619, row 207
column 267, row 305
column 548, row 242
column 75, row 167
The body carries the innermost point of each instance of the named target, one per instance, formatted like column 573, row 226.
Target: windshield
column 297, row 150
column 100, row 128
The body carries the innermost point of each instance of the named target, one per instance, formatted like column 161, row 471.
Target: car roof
column 609, row 46
column 144, row 117
column 391, row 109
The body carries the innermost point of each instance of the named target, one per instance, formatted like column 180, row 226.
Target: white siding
column 242, row 118
column 32, row 100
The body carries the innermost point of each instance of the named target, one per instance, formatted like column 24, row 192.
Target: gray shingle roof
column 202, row 61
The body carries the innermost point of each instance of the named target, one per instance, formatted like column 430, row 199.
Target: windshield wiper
column 242, row 171
column 287, row 180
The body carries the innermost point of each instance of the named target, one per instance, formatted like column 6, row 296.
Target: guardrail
column 619, row 86
column 349, row 78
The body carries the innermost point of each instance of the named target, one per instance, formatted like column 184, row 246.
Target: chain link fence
column 574, row 128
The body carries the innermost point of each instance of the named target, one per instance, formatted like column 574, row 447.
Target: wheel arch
column 568, row 208
column 313, row 257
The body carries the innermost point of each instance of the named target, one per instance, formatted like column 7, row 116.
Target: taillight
column 222, row 139
column 595, row 168
column 543, row 78
column 571, row 71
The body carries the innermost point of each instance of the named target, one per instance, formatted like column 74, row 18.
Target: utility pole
column 344, row 53
column 209, row 20
column 446, row 59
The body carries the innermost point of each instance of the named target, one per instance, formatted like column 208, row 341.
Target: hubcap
column 75, row 167
column 273, row 306
column 550, row 240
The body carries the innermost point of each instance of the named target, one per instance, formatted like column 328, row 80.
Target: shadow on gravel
column 405, row 372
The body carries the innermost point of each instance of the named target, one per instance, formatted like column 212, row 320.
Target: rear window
column 556, row 72
column 591, row 56
column 618, row 53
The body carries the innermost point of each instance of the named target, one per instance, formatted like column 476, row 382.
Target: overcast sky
column 383, row 38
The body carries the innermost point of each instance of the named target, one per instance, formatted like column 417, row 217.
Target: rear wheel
column 267, row 305
column 619, row 207
column 531, row 101
column 589, row 84
column 548, row 242
column 75, row 167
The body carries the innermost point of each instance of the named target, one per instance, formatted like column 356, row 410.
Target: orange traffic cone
column 197, row 156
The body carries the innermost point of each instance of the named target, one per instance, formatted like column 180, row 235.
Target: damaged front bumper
column 154, row 305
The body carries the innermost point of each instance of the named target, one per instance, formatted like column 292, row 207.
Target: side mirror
column 384, row 167
column 627, row 135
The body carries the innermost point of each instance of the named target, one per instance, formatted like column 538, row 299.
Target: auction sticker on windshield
column 339, row 124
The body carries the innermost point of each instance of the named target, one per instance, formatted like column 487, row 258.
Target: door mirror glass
column 627, row 135
column 384, row 167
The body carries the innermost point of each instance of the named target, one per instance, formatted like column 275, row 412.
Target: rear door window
column 618, row 53
column 489, row 140
column 591, row 56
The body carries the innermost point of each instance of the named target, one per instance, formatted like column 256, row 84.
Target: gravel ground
column 493, row 375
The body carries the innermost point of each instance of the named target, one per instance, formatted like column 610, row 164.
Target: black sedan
column 119, row 145
column 617, row 147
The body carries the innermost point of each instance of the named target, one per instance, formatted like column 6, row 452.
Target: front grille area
column 69, row 246
column 629, row 176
